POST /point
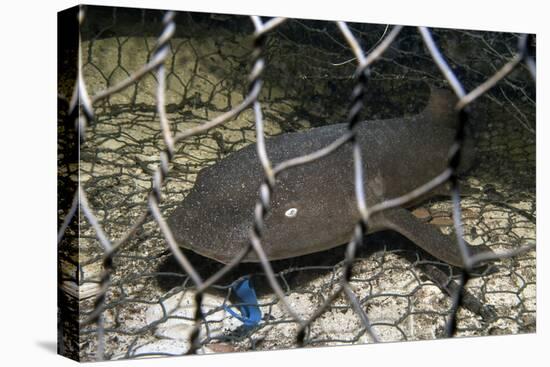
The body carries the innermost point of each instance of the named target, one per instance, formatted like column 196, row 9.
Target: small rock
column 468, row 214
column 422, row 213
column 220, row 348
column 474, row 182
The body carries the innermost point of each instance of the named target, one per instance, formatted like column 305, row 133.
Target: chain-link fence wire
column 158, row 96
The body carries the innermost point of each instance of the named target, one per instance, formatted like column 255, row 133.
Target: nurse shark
column 313, row 206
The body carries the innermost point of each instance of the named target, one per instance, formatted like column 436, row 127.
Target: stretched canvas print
column 231, row 183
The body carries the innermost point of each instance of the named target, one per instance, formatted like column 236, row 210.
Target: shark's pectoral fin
column 426, row 236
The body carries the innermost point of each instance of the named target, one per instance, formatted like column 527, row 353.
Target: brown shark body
column 313, row 206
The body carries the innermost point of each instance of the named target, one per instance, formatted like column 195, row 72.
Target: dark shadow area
column 300, row 270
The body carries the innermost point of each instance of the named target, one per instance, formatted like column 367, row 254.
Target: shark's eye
column 291, row 213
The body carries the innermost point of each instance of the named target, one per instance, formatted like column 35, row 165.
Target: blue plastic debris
column 250, row 314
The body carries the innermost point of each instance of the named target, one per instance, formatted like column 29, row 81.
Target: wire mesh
column 158, row 96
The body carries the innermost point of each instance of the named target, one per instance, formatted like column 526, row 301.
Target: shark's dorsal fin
column 440, row 107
